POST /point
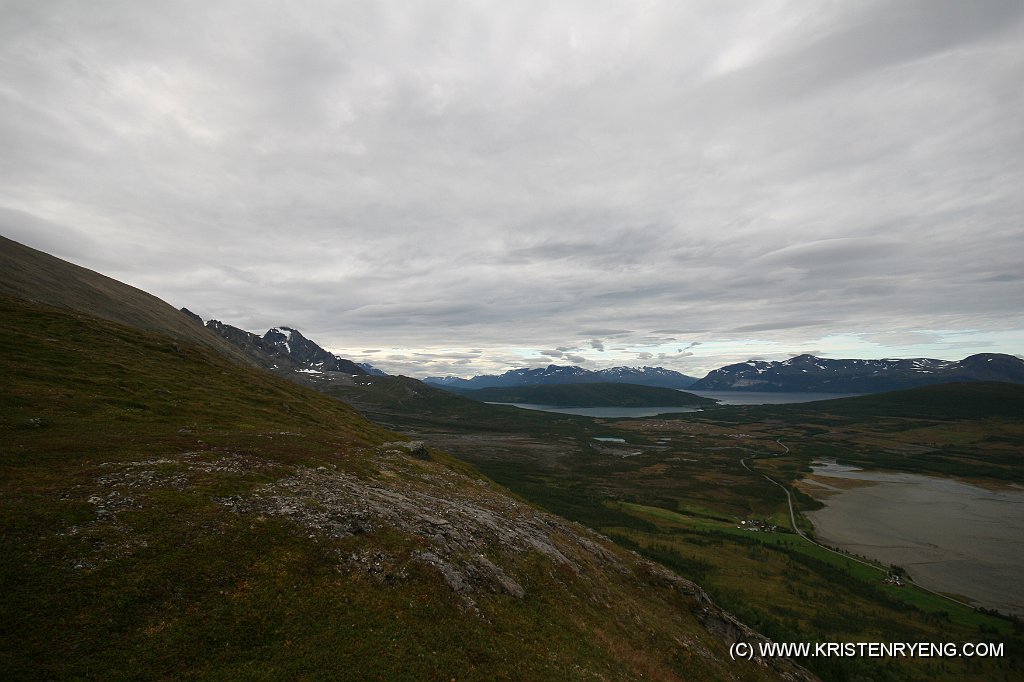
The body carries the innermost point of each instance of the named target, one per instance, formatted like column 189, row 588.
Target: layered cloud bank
column 463, row 187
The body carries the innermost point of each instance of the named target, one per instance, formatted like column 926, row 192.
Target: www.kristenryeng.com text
column 750, row 650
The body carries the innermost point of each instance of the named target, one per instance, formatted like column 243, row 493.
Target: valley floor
column 678, row 491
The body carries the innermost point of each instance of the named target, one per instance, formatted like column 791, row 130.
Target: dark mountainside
column 283, row 348
column 170, row 513
column 810, row 373
column 590, row 395
column 559, row 374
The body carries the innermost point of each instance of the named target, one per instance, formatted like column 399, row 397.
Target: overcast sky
column 464, row 187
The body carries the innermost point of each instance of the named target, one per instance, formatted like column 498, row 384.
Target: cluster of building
column 757, row 525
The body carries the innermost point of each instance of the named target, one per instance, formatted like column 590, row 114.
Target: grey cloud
column 59, row 240
column 1004, row 277
column 448, row 355
column 655, row 340
column 769, row 326
column 536, row 361
column 956, row 345
column 597, row 331
column 449, row 175
column 885, row 35
column 904, row 338
column 827, row 252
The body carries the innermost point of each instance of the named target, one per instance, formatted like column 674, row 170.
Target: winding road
column 796, row 529
column 789, row 498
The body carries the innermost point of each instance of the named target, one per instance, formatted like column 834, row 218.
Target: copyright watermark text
column 750, row 650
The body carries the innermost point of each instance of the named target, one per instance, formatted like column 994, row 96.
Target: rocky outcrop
column 468, row 533
column 248, row 342
column 192, row 316
column 477, row 539
column 288, row 344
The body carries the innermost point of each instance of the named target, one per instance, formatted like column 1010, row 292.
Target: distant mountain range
column 560, row 374
column 286, row 348
column 803, row 373
column 810, row 373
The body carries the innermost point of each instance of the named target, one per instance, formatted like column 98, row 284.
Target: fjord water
column 767, row 397
column 723, row 397
column 604, row 411
column 950, row 536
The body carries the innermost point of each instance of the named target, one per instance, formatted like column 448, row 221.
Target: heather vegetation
column 168, row 513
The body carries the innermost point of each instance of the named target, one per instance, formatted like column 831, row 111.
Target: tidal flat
column 952, row 537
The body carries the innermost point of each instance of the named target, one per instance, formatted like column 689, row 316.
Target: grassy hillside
column 170, row 514
column 590, row 395
column 36, row 276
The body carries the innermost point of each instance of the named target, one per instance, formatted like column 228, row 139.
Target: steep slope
column 371, row 370
column 810, row 373
column 36, row 276
column 171, row 514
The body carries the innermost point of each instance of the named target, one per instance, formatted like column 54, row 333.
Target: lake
column 724, row 397
column 603, row 411
column 951, row 536
column 768, row 398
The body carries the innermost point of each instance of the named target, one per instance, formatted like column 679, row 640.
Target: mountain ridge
column 283, row 348
column 569, row 374
column 808, row 373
